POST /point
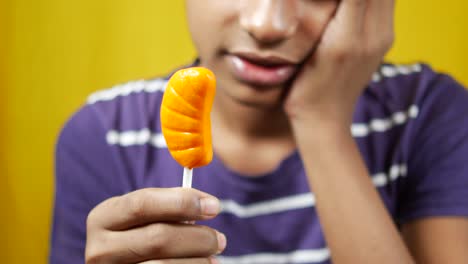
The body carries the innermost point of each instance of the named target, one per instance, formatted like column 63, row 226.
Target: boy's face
column 255, row 47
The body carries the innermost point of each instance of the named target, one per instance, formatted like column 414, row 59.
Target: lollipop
column 185, row 118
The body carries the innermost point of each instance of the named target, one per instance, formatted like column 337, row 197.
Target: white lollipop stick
column 187, row 178
column 187, row 183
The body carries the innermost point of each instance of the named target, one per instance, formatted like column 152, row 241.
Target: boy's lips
column 260, row 71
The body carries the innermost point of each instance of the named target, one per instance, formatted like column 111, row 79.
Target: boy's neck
column 250, row 140
column 250, row 122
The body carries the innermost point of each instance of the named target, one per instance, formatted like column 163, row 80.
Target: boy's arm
column 438, row 239
column 357, row 227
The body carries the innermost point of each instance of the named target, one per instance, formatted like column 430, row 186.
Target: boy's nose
column 269, row 21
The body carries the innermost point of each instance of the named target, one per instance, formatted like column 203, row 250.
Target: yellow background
column 53, row 53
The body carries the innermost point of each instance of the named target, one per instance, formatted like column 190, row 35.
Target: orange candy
column 185, row 116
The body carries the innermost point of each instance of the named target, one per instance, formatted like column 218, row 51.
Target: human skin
column 148, row 225
column 321, row 47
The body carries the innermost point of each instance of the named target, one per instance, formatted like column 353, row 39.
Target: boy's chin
column 258, row 96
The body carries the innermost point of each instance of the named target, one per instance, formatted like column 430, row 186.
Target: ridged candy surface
column 185, row 116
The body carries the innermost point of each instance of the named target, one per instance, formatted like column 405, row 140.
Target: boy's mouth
column 260, row 71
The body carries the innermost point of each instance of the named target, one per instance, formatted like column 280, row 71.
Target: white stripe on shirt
column 384, row 124
column 299, row 201
column 298, row 256
column 135, row 138
column 128, row 88
column 145, row 136
column 381, row 179
column 390, row 71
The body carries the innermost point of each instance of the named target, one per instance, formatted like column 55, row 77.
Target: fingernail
column 213, row 260
column 221, row 242
column 209, row 206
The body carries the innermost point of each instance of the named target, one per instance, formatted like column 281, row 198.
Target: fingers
column 350, row 17
column 344, row 33
column 153, row 205
column 360, row 29
column 147, row 225
column 380, row 23
column 155, row 241
column 164, row 240
column 380, row 13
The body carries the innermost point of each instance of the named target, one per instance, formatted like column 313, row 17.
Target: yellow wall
column 55, row 52
column 433, row 31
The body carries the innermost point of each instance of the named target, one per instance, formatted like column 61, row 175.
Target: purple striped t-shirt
column 411, row 126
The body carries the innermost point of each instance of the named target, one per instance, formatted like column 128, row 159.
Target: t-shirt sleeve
column 85, row 176
column 437, row 176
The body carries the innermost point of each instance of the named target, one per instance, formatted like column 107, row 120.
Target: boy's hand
column 351, row 48
column 150, row 224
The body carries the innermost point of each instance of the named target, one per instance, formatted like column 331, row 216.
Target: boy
column 293, row 76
